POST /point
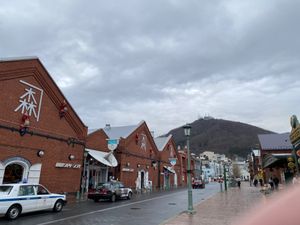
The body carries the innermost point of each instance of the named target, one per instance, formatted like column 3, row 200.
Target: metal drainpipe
column 158, row 177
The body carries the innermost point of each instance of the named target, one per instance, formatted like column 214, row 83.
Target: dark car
column 198, row 184
column 110, row 191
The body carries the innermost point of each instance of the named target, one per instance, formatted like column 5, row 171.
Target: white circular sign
column 112, row 144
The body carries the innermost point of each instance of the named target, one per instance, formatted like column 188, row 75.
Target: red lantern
column 24, row 126
column 151, row 152
column 63, row 109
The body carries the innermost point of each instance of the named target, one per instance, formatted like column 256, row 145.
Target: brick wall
column 50, row 134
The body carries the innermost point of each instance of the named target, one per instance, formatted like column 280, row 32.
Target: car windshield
column 5, row 190
column 104, row 185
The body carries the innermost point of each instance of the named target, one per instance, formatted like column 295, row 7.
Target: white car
column 22, row 198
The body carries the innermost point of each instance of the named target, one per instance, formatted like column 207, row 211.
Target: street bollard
column 221, row 187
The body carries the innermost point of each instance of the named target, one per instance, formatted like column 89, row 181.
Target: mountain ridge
column 220, row 136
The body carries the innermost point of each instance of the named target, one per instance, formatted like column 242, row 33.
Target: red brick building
column 169, row 163
column 41, row 136
column 136, row 154
column 182, row 153
column 275, row 152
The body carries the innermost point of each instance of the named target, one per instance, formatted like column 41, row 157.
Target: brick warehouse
column 143, row 162
column 41, row 136
column 169, row 162
column 136, row 154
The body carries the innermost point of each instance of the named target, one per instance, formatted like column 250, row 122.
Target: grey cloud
column 128, row 60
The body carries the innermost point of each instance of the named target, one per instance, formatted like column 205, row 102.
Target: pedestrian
column 276, row 182
column 238, row 180
column 295, row 180
column 255, row 182
column 271, row 182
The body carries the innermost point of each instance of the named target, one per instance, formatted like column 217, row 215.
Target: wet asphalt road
column 141, row 209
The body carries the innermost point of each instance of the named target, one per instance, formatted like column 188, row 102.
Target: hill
column 221, row 136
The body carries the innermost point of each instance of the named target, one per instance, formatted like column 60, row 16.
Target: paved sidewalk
column 223, row 208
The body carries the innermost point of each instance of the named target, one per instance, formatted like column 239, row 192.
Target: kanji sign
column 31, row 100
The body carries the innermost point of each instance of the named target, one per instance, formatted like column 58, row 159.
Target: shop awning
column 106, row 158
column 272, row 159
column 169, row 169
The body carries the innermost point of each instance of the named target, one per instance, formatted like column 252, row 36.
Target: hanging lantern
column 291, row 165
column 290, row 159
column 24, row 124
column 63, row 109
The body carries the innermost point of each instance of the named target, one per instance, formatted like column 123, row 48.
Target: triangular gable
column 144, row 125
column 166, row 148
column 32, row 67
column 97, row 140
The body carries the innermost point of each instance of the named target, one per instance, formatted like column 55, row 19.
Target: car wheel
column 129, row 195
column 58, row 206
column 96, row 199
column 13, row 212
column 113, row 198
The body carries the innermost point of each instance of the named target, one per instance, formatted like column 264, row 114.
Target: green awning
column 268, row 160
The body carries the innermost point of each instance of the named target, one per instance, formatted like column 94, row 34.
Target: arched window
column 14, row 170
column 13, row 173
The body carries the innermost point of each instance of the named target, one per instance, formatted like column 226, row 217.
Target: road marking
column 107, row 209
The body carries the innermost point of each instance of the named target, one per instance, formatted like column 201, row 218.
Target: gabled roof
column 120, row 132
column 161, row 142
column 7, row 59
column 90, row 131
column 275, row 141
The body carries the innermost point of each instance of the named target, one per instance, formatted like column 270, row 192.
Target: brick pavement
column 222, row 208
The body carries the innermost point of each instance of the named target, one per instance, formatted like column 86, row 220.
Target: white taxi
column 22, row 198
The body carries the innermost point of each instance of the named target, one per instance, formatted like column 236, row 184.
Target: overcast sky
column 165, row 62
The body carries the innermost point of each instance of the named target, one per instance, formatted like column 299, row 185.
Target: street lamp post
column 83, row 179
column 225, row 177
column 187, row 132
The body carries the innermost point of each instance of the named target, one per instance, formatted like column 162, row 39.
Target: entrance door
column 175, row 180
column 142, row 179
column 13, row 173
column 167, row 181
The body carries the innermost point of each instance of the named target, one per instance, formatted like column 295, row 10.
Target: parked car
column 198, row 184
column 111, row 190
column 22, row 198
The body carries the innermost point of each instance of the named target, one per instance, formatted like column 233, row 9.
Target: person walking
column 271, row 182
column 276, row 182
column 255, row 182
column 238, row 180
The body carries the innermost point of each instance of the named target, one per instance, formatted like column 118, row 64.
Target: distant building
column 276, row 153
